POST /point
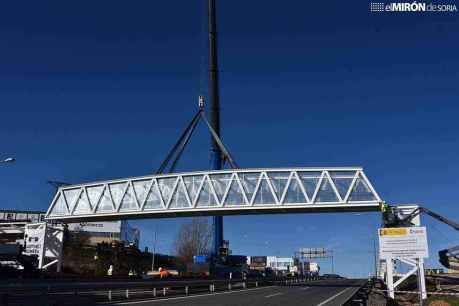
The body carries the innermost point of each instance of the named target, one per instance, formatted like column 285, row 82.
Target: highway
column 318, row 293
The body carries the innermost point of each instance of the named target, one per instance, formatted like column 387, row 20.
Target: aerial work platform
column 222, row 192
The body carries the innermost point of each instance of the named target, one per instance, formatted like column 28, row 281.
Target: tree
column 193, row 238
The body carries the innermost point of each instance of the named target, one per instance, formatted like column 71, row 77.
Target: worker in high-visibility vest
column 163, row 273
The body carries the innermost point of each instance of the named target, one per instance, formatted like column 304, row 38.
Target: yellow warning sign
column 403, row 242
column 394, row 231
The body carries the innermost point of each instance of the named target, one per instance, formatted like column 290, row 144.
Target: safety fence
column 417, row 292
column 93, row 293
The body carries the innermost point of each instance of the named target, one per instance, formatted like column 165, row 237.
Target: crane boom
column 449, row 258
column 434, row 215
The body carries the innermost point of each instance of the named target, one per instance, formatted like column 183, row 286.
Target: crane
column 449, row 258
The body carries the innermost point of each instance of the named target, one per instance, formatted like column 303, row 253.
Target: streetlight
column 7, row 160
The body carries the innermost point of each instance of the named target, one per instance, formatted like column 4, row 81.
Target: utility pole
column 216, row 155
column 332, row 264
column 154, row 251
column 374, row 257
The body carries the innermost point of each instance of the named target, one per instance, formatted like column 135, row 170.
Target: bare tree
column 193, row 238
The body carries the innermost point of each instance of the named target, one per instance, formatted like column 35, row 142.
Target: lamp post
column 332, row 263
column 7, row 160
column 154, row 251
column 375, row 257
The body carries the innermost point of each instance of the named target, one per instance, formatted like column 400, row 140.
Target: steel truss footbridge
column 223, row 192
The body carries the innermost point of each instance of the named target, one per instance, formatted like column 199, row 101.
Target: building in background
column 280, row 264
column 21, row 216
column 13, row 222
column 98, row 232
column 257, row 262
column 13, row 225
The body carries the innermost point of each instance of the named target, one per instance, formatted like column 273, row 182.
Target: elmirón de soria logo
column 411, row 7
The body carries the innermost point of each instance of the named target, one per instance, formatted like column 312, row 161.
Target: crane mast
column 215, row 152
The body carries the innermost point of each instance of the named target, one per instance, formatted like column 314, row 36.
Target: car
column 332, row 276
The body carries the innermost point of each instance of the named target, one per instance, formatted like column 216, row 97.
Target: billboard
column 96, row 227
column 34, row 239
column 46, row 242
column 403, row 242
column 119, row 230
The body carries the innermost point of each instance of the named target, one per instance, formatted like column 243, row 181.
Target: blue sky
column 98, row 90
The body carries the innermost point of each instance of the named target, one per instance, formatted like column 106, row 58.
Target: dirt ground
column 445, row 283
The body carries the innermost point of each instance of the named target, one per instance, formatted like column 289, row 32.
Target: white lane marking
column 274, row 294
column 187, row 297
column 333, row 297
column 304, row 288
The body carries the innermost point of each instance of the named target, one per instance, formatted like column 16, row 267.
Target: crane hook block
column 201, row 102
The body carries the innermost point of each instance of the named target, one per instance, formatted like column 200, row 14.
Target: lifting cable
column 179, row 147
column 226, row 153
column 184, row 144
column 174, row 148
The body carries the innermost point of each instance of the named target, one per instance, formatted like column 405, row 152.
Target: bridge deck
column 225, row 192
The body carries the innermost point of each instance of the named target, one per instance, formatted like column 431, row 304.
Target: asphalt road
column 319, row 293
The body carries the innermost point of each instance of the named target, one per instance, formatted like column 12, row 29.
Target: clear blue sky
column 101, row 89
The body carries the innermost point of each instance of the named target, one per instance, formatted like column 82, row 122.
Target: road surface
column 319, row 293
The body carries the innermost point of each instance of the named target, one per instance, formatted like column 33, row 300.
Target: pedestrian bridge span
column 224, row 192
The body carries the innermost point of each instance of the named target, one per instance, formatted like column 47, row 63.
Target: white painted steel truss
column 240, row 191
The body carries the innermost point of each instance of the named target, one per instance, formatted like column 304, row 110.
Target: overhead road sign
column 403, row 242
column 222, row 192
column 311, row 253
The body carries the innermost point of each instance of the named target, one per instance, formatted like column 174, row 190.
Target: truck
column 257, row 262
column 200, row 259
column 311, row 269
